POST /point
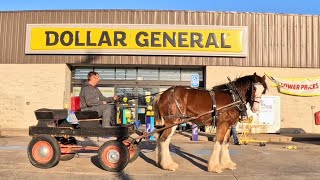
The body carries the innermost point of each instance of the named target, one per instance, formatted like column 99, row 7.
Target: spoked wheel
column 44, row 151
column 134, row 150
column 66, row 153
column 113, row 156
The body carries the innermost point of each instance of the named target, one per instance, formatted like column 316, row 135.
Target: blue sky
column 270, row 6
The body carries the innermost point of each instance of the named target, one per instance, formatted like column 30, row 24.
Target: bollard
column 194, row 133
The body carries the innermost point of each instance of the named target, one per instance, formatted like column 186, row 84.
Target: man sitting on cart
column 91, row 99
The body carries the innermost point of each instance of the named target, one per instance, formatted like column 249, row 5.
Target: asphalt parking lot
column 273, row 161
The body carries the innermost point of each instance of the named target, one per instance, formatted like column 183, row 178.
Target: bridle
column 253, row 99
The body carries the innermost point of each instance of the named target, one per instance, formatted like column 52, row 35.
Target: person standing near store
column 234, row 134
column 91, row 99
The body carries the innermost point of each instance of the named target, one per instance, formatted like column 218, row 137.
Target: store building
column 45, row 56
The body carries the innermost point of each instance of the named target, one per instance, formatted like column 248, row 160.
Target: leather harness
column 234, row 93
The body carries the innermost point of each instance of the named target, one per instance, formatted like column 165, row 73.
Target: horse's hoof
column 215, row 168
column 170, row 166
column 229, row 165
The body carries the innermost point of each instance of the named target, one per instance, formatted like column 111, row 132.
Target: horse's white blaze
column 257, row 99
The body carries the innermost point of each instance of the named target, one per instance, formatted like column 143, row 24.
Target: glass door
column 126, row 110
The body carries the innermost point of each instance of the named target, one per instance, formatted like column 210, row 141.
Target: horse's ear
column 264, row 77
column 255, row 74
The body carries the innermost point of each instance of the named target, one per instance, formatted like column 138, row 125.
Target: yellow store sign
column 136, row 39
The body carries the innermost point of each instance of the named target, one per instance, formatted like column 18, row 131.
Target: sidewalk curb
column 14, row 132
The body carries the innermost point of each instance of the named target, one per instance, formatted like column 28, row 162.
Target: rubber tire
column 55, row 151
column 67, row 157
column 135, row 153
column 245, row 143
column 123, row 159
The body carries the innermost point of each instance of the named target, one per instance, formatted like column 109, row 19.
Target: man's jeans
column 234, row 135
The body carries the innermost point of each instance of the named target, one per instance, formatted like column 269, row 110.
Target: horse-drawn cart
column 54, row 140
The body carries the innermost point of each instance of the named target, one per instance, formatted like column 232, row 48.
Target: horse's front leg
column 164, row 157
column 226, row 161
column 214, row 163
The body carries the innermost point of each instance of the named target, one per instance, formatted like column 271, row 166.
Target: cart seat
column 75, row 107
column 86, row 115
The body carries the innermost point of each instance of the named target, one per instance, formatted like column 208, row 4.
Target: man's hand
column 104, row 102
column 116, row 98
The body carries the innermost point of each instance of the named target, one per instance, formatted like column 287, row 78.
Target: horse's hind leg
column 226, row 161
column 214, row 163
column 157, row 135
column 164, row 158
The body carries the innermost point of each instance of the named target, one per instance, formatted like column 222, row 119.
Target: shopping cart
column 246, row 134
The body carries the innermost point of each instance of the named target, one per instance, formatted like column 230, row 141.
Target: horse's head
column 256, row 88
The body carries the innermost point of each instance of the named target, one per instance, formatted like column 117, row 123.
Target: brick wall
column 296, row 112
column 25, row 88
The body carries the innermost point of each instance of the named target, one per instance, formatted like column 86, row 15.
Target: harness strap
column 214, row 108
column 235, row 95
column 182, row 115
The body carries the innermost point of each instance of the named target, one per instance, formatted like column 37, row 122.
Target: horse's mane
column 239, row 82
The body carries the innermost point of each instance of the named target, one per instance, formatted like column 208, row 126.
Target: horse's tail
column 159, row 121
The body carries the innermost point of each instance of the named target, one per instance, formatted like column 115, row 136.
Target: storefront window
column 146, row 95
column 106, row 73
column 81, row 73
column 127, row 95
column 126, row 74
column 169, row 74
column 186, row 74
column 148, row 74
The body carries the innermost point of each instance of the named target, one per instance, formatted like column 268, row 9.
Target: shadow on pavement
column 150, row 145
column 121, row 174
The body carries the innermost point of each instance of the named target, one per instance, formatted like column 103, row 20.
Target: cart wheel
column 245, row 143
column 44, row 151
column 113, row 156
column 67, row 154
column 134, row 150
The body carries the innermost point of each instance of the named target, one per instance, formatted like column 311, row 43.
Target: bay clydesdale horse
column 179, row 102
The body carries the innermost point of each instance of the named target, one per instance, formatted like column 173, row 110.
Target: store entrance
column 135, row 102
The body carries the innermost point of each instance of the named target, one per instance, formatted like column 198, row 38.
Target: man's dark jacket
column 91, row 96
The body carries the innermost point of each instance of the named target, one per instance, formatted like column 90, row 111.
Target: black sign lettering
column 223, row 41
column 196, row 38
column 55, row 38
column 212, row 40
column 104, row 38
column 89, row 43
column 172, row 40
column 181, row 39
column 77, row 39
column 66, row 34
column 154, row 39
column 121, row 38
column 138, row 42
